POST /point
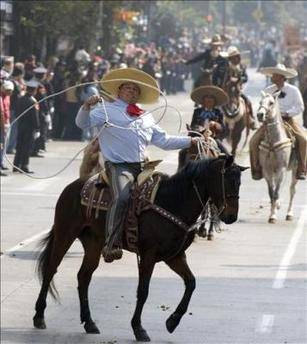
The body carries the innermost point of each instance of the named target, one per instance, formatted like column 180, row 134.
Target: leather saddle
column 96, row 197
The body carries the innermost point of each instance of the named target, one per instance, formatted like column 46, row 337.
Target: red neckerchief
column 134, row 110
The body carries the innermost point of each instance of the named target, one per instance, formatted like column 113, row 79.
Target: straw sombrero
column 220, row 96
column 281, row 69
column 215, row 40
column 148, row 85
column 233, row 51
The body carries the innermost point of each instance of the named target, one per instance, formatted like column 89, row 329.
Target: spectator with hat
column 44, row 111
column 28, row 127
column 19, row 91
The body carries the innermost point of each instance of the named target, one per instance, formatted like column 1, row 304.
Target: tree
column 39, row 25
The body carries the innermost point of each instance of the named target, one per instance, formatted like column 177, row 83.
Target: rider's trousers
column 301, row 142
column 121, row 178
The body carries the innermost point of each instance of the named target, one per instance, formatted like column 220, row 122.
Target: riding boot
column 254, row 153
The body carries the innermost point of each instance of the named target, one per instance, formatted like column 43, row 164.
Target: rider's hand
column 195, row 141
column 91, row 101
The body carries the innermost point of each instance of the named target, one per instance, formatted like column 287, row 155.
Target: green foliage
column 75, row 21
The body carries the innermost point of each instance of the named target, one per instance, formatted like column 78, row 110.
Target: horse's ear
column 229, row 160
column 243, row 168
column 222, row 156
column 262, row 93
column 276, row 94
column 188, row 127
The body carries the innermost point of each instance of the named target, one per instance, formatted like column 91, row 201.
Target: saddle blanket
column 96, row 197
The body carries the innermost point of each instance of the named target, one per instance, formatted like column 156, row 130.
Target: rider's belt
column 140, row 164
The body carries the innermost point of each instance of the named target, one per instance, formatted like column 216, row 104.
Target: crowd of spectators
column 164, row 60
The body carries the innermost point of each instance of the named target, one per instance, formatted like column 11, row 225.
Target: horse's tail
column 43, row 261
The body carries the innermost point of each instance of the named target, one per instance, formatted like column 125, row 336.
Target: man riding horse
column 209, row 114
column 214, row 65
column 291, row 104
column 235, row 77
column 123, row 139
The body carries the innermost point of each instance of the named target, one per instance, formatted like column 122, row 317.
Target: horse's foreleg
column 146, row 266
column 211, row 231
column 235, row 138
column 180, row 266
column 289, row 216
column 273, row 216
column 236, row 134
column 92, row 245
column 49, row 260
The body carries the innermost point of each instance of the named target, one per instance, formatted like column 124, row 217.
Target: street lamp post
column 224, row 16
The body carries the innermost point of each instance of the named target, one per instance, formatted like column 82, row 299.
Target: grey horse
column 275, row 155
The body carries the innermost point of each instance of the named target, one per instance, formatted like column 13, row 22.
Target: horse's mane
column 174, row 189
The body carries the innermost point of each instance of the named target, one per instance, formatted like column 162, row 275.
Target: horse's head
column 232, row 107
column 224, row 187
column 266, row 110
column 196, row 130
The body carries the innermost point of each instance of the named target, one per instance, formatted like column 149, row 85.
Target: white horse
column 275, row 153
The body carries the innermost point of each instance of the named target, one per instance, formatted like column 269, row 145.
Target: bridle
column 226, row 196
column 270, row 146
column 266, row 109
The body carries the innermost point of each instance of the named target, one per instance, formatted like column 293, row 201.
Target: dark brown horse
column 236, row 116
column 208, row 148
column 160, row 239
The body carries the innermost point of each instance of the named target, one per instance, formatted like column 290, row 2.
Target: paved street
column 250, row 281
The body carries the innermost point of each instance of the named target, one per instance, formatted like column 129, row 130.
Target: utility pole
column 100, row 23
column 224, row 16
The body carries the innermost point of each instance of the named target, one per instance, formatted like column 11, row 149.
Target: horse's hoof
column 202, row 234
column 172, row 322
column 90, row 327
column 141, row 335
column 210, row 237
column 289, row 217
column 39, row 323
column 271, row 220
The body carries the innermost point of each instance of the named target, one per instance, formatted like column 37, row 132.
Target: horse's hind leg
column 146, row 266
column 236, row 136
column 49, row 260
column 289, row 216
column 92, row 245
column 180, row 266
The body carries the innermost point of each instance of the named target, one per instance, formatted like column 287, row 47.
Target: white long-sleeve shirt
column 292, row 103
column 120, row 144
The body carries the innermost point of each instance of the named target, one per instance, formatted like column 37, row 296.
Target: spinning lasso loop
column 107, row 122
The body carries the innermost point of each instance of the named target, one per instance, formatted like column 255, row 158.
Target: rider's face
column 235, row 60
column 208, row 102
column 215, row 50
column 129, row 92
column 278, row 79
